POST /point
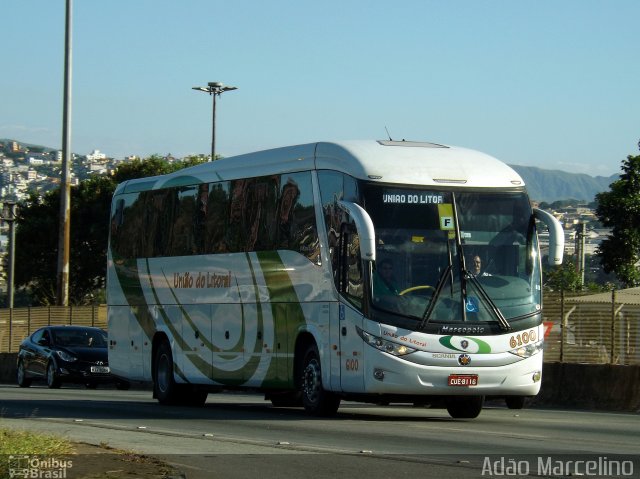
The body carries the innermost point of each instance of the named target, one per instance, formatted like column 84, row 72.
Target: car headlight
column 66, row 356
column 528, row 350
column 392, row 348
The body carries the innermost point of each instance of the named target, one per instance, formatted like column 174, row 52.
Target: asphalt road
column 241, row 435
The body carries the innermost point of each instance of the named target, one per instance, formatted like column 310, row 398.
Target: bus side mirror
column 365, row 229
column 556, row 236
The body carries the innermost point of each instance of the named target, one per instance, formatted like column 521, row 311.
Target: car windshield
column 79, row 338
column 446, row 256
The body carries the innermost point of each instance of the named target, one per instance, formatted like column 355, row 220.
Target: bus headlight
column 528, row 350
column 392, row 348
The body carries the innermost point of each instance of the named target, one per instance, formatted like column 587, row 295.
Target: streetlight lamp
column 214, row 89
column 9, row 215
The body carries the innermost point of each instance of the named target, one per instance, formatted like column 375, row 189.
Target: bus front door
column 350, row 350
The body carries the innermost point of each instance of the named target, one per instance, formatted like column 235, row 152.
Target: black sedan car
column 65, row 354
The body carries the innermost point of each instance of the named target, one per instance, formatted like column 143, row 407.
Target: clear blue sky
column 545, row 83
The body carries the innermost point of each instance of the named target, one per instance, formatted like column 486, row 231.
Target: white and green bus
column 375, row 271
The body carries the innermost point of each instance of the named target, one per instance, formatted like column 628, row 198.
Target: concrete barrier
column 8, row 367
column 564, row 385
column 590, row 386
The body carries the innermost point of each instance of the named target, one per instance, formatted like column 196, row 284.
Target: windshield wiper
column 434, row 299
column 502, row 321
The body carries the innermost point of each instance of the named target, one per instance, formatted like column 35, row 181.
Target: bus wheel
column 315, row 399
column 465, row 407
column 165, row 388
column 515, row 402
column 193, row 397
column 286, row 399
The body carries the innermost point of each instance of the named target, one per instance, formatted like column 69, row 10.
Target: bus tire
column 315, row 399
column 515, row 402
column 286, row 399
column 165, row 388
column 192, row 397
column 465, row 407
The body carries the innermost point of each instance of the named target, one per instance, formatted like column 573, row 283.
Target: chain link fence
column 600, row 328
column 596, row 329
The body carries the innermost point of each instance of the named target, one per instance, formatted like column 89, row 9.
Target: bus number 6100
column 352, row 365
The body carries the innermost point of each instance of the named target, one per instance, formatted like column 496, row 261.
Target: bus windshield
column 447, row 257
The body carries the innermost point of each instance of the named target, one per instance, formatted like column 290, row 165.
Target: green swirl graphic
column 483, row 347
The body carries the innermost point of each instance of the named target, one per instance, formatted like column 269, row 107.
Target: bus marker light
column 378, row 374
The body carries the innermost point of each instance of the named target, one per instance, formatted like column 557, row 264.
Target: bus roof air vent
column 414, row 144
column 449, row 180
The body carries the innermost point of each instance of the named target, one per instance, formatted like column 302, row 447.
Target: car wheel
column 23, row 380
column 53, row 382
column 315, row 399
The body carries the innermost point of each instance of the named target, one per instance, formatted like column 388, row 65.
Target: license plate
column 463, row 380
column 100, row 369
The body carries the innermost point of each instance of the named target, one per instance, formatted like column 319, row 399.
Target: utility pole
column 64, row 229
column 579, row 247
column 9, row 216
column 214, row 89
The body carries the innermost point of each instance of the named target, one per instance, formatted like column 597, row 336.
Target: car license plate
column 463, row 380
column 100, row 369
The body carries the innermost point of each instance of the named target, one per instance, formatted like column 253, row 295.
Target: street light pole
column 64, row 230
column 215, row 89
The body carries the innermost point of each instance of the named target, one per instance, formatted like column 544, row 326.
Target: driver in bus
column 476, row 267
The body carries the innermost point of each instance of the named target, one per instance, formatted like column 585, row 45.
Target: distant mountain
column 553, row 185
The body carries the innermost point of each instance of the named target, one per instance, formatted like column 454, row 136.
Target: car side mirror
column 43, row 342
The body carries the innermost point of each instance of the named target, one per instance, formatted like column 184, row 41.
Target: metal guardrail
column 576, row 329
column 17, row 323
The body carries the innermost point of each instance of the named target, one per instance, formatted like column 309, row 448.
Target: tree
column 619, row 209
column 37, row 226
column 564, row 277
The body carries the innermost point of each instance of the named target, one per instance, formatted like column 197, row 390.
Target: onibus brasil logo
column 26, row 466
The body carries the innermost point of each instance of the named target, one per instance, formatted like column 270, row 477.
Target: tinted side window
column 184, row 221
column 251, row 214
column 296, row 219
column 126, row 223
column 331, row 191
column 352, row 285
column 35, row 337
column 216, row 217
